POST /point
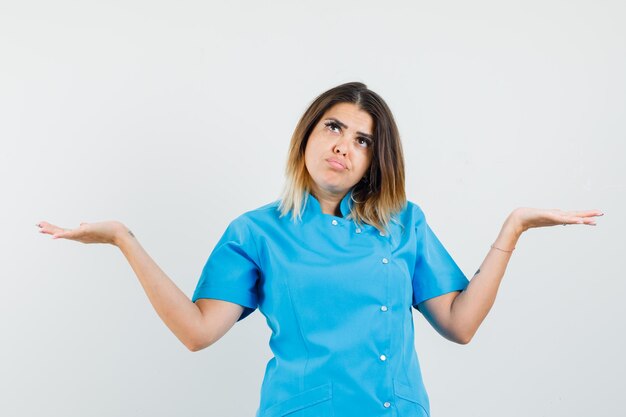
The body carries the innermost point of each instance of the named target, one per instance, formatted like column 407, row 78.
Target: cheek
column 309, row 158
column 364, row 162
column 311, row 152
column 307, row 154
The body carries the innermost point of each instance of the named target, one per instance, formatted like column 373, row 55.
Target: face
column 339, row 150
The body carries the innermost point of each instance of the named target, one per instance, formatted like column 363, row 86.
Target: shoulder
column 258, row 216
column 411, row 214
column 264, row 212
column 413, row 207
column 243, row 229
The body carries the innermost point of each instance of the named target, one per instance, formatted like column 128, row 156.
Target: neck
column 329, row 202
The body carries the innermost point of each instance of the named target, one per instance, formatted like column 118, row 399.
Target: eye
column 365, row 142
column 332, row 125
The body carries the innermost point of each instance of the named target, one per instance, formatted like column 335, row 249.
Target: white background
column 175, row 117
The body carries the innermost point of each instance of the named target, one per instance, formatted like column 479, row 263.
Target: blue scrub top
column 337, row 298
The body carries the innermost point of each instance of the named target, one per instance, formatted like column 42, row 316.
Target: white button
column 383, row 358
column 383, row 308
column 387, row 404
column 334, row 222
column 358, row 230
column 382, row 234
column 385, row 260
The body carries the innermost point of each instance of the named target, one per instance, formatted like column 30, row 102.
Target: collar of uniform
column 312, row 205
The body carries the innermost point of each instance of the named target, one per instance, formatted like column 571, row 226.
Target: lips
column 334, row 162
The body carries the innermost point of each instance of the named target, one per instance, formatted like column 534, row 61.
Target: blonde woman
column 335, row 266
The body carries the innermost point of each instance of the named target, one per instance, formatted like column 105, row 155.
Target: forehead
column 351, row 115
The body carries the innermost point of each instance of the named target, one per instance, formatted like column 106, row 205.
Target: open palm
column 100, row 232
column 528, row 217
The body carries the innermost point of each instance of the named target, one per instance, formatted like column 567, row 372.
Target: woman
column 335, row 266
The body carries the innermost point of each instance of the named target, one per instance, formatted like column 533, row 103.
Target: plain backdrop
column 175, row 117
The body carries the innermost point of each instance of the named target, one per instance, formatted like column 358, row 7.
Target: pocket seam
column 405, row 392
column 300, row 401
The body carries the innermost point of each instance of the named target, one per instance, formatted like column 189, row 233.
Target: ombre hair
column 380, row 194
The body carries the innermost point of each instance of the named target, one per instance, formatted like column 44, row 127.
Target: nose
column 341, row 146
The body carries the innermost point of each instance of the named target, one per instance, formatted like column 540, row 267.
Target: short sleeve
column 232, row 271
column 435, row 272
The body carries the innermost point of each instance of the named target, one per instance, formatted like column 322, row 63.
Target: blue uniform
column 337, row 298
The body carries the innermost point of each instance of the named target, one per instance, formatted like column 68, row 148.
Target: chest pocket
column 314, row 402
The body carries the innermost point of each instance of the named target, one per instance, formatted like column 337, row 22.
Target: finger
column 65, row 233
column 588, row 216
column 55, row 229
column 47, row 228
column 589, row 220
column 565, row 217
column 587, row 213
column 579, row 220
column 58, row 234
column 43, row 224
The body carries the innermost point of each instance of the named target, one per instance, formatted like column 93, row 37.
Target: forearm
column 471, row 306
column 176, row 310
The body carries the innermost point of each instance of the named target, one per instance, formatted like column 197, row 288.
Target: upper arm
column 437, row 312
column 231, row 273
column 218, row 317
column 437, row 280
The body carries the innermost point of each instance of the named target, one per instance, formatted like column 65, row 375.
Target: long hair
column 380, row 194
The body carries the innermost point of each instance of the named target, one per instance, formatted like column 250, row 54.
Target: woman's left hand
column 527, row 217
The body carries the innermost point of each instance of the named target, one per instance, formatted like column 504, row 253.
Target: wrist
column 509, row 234
column 122, row 234
column 514, row 225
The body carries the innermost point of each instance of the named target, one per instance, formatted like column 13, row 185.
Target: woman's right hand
column 101, row 232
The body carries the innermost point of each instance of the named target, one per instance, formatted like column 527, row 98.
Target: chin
column 335, row 188
column 329, row 185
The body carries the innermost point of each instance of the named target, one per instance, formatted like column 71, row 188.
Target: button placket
column 384, row 308
column 385, row 260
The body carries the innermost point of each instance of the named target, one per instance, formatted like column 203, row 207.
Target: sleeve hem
column 225, row 295
column 457, row 286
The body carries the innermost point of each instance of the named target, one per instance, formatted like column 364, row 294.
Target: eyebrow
column 343, row 125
